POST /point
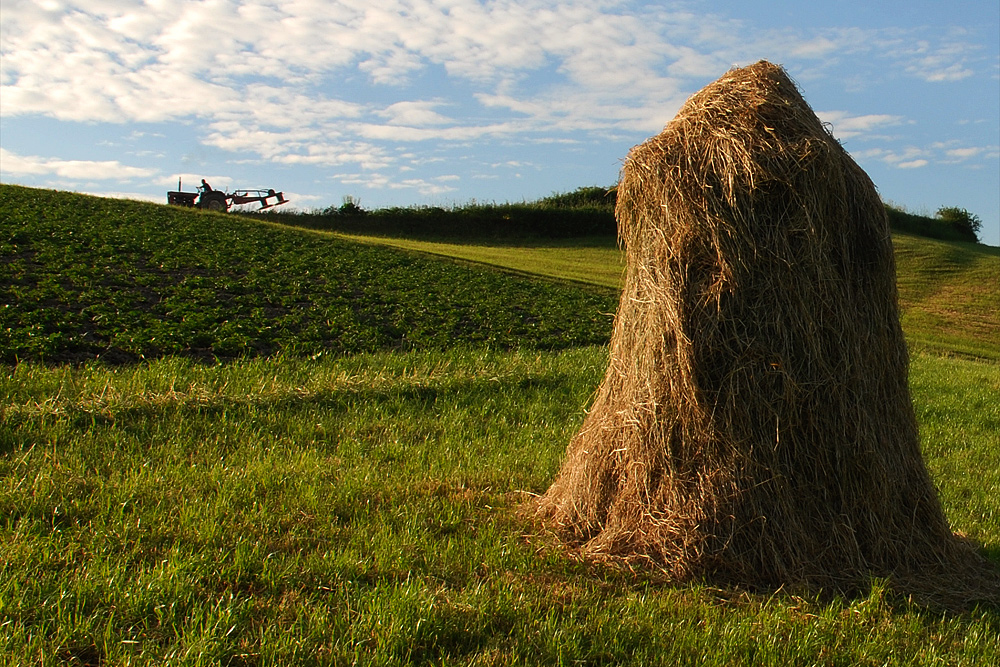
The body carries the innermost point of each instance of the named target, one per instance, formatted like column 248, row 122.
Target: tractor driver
column 205, row 185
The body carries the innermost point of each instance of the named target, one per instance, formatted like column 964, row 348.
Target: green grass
column 366, row 509
column 958, row 407
column 591, row 260
column 121, row 280
column 950, row 296
column 309, row 505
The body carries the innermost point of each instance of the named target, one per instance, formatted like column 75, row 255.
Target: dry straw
column 755, row 423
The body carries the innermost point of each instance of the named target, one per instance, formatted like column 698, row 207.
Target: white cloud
column 379, row 181
column 908, row 154
column 12, row 164
column 817, row 47
column 846, row 126
column 137, row 196
column 515, row 164
column 454, row 133
column 415, row 113
column 279, row 80
column 118, row 61
column 941, row 62
column 964, row 153
column 973, row 156
column 913, row 157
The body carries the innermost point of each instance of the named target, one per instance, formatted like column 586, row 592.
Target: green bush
column 585, row 212
column 967, row 224
column 472, row 221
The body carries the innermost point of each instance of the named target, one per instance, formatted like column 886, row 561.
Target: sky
column 449, row 102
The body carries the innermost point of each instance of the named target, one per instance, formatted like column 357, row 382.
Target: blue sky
column 439, row 102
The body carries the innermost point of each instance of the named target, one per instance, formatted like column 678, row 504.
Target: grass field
column 122, row 281
column 363, row 507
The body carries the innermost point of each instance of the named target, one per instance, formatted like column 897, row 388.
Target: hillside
column 949, row 292
column 121, row 280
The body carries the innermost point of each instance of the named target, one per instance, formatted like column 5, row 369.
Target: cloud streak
column 846, row 126
column 12, row 164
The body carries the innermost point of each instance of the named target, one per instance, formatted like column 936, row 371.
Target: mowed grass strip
column 949, row 292
column 366, row 510
column 591, row 260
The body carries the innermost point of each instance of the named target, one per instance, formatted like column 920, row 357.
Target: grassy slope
column 593, row 260
column 948, row 291
column 950, row 295
column 120, row 280
column 363, row 509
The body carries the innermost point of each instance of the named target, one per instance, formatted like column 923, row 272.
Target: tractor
column 217, row 200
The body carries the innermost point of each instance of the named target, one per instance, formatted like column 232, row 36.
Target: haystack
column 755, row 423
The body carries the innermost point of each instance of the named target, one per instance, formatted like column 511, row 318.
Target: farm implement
column 217, row 200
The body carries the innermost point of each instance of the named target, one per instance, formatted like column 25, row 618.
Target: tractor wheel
column 214, row 201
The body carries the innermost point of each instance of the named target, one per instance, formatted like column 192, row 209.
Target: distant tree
column 350, row 207
column 968, row 224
